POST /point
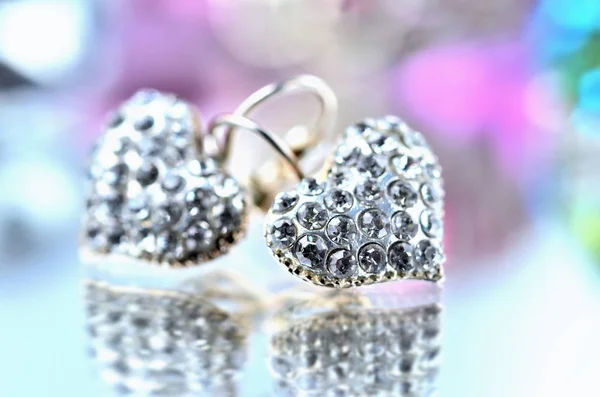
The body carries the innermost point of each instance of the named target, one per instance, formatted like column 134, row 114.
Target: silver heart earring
column 156, row 194
column 374, row 214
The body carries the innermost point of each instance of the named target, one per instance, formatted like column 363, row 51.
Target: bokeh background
column 507, row 92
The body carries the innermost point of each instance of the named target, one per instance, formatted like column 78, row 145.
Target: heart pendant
column 152, row 195
column 376, row 217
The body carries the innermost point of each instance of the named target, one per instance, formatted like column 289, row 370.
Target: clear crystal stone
column 347, row 155
column 403, row 194
column 413, row 139
column 139, row 209
column 311, row 250
column 284, row 202
column 372, row 258
column 341, row 263
column 403, row 226
column 431, row 194
column 202, row 198
column 339, row 178
column 198, row 237
column 381, row 143
column 224, row 185
column 427, row 256
column 400, row 256
column 116, row 175
column 165, row 215
column 368, row 192
column 373, row 223
column 282, row 233
column 310, row 187
column 407, row 166
column 312, row 216
column 172, row 182
column 433, row 171
column 431, row 224
column 371, row 166
column 338, row 200
column 227, row 217
column 146, row 174
column 203, row 167
column 341, row 230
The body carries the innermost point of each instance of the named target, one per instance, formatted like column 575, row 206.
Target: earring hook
column 305, row 82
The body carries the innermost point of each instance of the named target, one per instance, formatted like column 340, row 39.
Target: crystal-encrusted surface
column 151, row 195
column 381, row 202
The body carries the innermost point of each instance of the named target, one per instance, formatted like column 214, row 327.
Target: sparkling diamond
column 339, row 178
column 310, row 187
column 402, row 194
column 198, row 237
column 146, row 174
column 166, row 243
column 368, row 192
column 381, row 143
column 284, row 202
column 139, row 209
column 283, row 233
column 312, row 216
column 358, row 129
column 413, row 139
column 371, row 258
column 372, row 223
column 201, row 198
column 427, row 255
column 400, row 256
column 430, row 223
column 341, row 263
column 431, row 194
column 433, row 171
column 150, row 146
column 311, row 250
column 203, row 167
column 116, row 175
column 347, row 155
column 407, row 166
column 338, row 200
column 403, row 226
column 144, row 123
column 227, row 217
column 165, row 215
column 341, row 230
column 225, row 186
column 371, row 166
column 172, row 182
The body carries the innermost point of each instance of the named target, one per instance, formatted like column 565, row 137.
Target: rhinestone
column 144, row 124
column 171, row 156
column 373, row 224
column 347, row 155
column 400, row 256
column 341, row 263
column 116, row 120
column 426, row 255
column 413, row 139
column 381, row 143
column 166, row 215
column 310, row 187
column 358, row 129
column 431, row 194
column 371, row 166
column 166, row 243
column 407, row 166
column 226, row 217
column 207, row 166
column 371, row 258
column 339, row 200
column 403, row 226
column 432, row 170
column 146, row 174
column 402, row 194
column 283, row 233
column 339, row 178
column 284, row 202
column 201, row 198
column 172, row 182
column 368, row 192
column 225, row 186
column 198, row 237
column 311, row 250
column 139, row 209
column 430, row 223
column 116, row 175
column 341, row 230
column 312, row 216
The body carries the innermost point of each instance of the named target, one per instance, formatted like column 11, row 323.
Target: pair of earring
column 159, row 193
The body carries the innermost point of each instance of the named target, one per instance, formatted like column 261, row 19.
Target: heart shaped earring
column 156, row 195
column 375, row 217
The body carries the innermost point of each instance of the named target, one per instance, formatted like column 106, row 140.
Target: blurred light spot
column 580, row 14
column 585, row 122
column 543, row 104
column 589, row 90
column 42, row 39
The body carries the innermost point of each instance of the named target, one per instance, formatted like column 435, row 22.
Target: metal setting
column 376, row 217
column 301, row 83
column 153, row 195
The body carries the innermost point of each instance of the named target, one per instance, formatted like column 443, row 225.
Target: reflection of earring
column 156, row 194
column 376, row 216
column 338, row 344
column 166, row 342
